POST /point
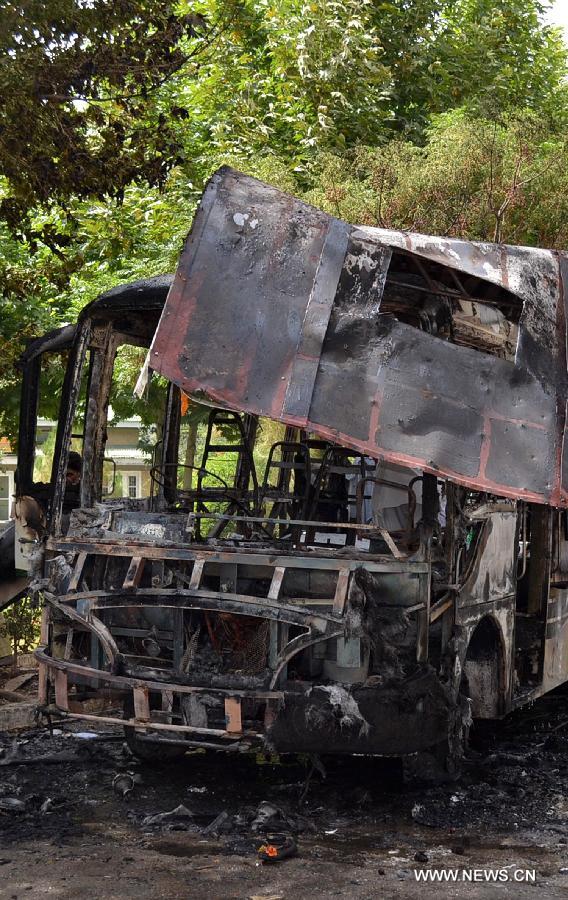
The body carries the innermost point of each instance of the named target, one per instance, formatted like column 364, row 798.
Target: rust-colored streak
column 250, row 340
column 233, row 717
column 485, row 447
column 176, row 319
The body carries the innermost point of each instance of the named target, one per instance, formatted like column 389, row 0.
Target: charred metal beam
column 27, row 425
column 252, row 556
column 200, row 598
column 96, row 408
column 70, row 391
column 124, row 682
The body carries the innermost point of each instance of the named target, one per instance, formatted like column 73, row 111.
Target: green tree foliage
column 473, row 178
column 499, row 57
column 293, row 78
column 78, row 117
column 427, row 114
column 20, row 623
column 99, row 96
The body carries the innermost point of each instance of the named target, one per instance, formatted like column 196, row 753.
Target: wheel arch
column 484, row 676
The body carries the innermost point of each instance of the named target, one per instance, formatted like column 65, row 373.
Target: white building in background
column 128, row 475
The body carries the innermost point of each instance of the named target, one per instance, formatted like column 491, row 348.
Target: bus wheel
column 438, row 764
column 443, row 761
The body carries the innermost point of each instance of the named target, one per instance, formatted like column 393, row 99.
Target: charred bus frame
column 398, row 363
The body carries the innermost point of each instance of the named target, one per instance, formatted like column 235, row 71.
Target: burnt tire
column 436, row 765
column 148, row 751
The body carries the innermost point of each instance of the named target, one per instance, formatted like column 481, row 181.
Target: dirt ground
column 361, row 831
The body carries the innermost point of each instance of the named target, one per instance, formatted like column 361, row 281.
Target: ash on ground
column 79, row 813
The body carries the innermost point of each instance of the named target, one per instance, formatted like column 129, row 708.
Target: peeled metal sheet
column 276, row 309
column 12, row 588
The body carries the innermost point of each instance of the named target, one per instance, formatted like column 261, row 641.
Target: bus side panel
column 556, row 645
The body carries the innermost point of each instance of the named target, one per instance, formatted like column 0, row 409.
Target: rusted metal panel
column 61, row 689
column 262, row 317
column 341, row 591
column 492, row 575
column 298, row 399
column 77, row 571
column 233, row 715
column 556, row 644
column 134, row 573
column 141, row 697
column 259, row 276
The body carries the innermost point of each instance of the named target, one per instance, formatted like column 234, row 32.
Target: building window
column 131, row 485
column 451, row 305
column 6, row 491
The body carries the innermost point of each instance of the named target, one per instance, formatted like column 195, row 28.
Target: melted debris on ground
column 79, row 814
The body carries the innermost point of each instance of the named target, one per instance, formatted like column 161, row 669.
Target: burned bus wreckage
column 398, row 560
